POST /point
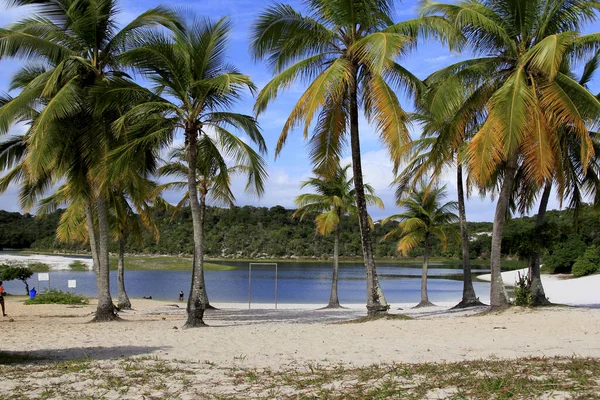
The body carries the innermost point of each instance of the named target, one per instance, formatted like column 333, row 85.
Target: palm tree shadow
column 76, row 353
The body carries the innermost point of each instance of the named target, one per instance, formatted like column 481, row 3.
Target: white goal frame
column 250, row 282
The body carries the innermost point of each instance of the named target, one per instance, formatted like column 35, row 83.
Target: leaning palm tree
column 213, row 181
column 520, row 92
column 75, row 48
column 345, row 51
column 424, row 218
column 194, row 90
column 335, row 197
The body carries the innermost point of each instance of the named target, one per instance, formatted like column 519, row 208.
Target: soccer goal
column 250, row 281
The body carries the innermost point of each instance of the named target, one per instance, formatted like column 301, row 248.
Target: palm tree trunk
column 424, row 296
column 376, row 303
column 105, row 310
column 200, row 257
column 469, row 299
column 195, row 305
column 123, row 303
column 334, row 302
column 498, row 296
column 538, row 296
column 89, row 218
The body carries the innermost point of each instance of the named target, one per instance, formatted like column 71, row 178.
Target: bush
column 588, row 263
column 78, row 266
column 522, row 292
column 564, row 255
column 54, row 296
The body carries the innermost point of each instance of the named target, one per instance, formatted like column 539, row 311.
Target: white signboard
column 72, row 283
column 43, row 276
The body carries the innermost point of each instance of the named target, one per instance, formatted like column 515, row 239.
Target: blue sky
column 292, row 166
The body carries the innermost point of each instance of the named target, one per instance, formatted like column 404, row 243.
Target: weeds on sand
column 138, row 377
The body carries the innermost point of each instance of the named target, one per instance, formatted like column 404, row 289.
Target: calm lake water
column 297, row 283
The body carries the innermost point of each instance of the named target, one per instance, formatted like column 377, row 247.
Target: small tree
column 424, row 217
column 588, row 263
column 10, row 273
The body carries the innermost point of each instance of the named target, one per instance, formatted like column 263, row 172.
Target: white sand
column 54, row 262
column 277, row 339
column 559, row 289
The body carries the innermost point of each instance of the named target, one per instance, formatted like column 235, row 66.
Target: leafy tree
column 346, row 52
column 334, row 197
column 564, row 255
column 9, row 273
column 423, row 218
column 519, row 91
column 195, row 89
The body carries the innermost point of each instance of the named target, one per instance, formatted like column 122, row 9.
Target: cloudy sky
column 288, row 170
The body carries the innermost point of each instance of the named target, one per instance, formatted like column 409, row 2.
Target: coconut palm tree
column 75, row 47
column 520, row 92
column 345, row 50
column 194, row 90
column 424, row 218
column 335, row 197
column 213, row 181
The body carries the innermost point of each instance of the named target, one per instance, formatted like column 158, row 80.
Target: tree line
column 251, row 232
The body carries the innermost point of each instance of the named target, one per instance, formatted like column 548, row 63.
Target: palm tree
column 424, row 218
column 75, row 46
column 194, row 89
column 345, row 51
column 213, row 180
column 520, row 92
column 334, row 198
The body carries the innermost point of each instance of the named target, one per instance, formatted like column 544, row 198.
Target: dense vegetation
column 253, row 232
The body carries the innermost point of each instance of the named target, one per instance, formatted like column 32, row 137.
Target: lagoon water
column 297, row 283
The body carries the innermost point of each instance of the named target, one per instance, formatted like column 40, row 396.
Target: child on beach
column 2, row 299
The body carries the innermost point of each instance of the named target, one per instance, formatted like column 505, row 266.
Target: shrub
column 522, row 291
column 54, row 296
column 78, row 266
column 564, row 255
column 588, row 263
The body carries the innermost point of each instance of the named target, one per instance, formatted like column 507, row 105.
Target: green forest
column 260, row 232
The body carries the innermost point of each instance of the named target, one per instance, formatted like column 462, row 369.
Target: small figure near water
column 2, row 299
column 147, row 297
column 181, row 295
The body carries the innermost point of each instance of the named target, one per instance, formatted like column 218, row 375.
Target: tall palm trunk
column 469, row 299
column 376, row 303
column 538, row 296
column 105, row 310
column 334, row 301
column 195, row 305
column 498, row 296
column 200, row 257
column 424, row 295
column 123, row 303
column 89, row 219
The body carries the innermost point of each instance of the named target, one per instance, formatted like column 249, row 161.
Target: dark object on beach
column 181, row 296
column 147, row 298
column 32, row 293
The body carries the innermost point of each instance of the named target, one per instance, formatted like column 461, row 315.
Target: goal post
column 250, row 281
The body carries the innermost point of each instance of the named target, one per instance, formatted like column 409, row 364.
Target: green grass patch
column 38, row 267
column 54, row 296
column 164, row 263
column 386, row 317
column 78, row 266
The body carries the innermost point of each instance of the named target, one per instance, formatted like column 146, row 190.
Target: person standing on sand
column 181, row 295
column 2, row 299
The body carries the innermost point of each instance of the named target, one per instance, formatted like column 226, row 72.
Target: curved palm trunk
column 123, row 302
column 195, row 305
column 105, row 310
column 334, row 302
column 199, row 258
column 469, row 299
column 89, row 219
column 498, row 296
column 538, row 296
column 376, row 303
column 424, row 296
